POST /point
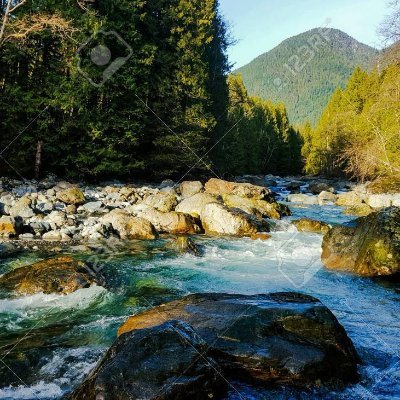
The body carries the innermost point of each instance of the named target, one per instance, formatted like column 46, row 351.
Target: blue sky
column 260, row 25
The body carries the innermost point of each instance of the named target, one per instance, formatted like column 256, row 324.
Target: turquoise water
column 51, row 342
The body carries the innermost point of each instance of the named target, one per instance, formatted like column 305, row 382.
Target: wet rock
column 184, row 244
column 190, row 188
column 165, row 362
column 218, row 219
column 61, row 275
column 260, row 208
column 294, row 186
column 71, row 195
column 372, row 248
column 310, row 225
column 261, row 236
column 218, row 187
column 194, row 205
column 360, row 210
column 282, row 338
column 129, row 227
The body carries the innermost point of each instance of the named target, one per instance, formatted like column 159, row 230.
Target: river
column 51, row 342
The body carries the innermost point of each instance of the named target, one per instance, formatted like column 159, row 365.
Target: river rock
column 303, row 199
column 194, row 205
column 72, row 195
column 372, row 248
column 218, row 187
column 218, row 219
column 349, row 199
column 164, row 362
column 190, row 188
column 9, row 226
column 279, row 338
column 310, row 225
column 326, row 198
column 162, row 201
column 379, row 200
column 318, row 187
column 129, row 227
column 61, row 275
column 260, row 208
column 170, row 222
column 360, row 210
column 184, row 244
column 22, row 208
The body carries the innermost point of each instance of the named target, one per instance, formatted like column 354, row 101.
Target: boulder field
column 191, row 348
column 60, row 211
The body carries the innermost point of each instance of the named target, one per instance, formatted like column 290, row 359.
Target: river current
column 48, row 343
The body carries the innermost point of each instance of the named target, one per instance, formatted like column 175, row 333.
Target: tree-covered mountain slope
column 304, row 71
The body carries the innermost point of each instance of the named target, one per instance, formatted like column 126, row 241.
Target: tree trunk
column 38, row 159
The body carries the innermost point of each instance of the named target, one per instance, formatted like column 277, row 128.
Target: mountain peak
column 304, row 70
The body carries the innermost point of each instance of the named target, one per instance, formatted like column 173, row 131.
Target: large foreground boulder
column 61, row 275
column 371, row 248
column 282, row 338
column 164, row 362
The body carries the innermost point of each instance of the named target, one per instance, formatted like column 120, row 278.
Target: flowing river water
column 50, row 342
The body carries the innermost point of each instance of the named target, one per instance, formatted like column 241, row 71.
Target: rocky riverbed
column 79, row 263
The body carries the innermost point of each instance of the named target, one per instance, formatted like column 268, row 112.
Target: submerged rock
column 372, row 248
column 184, row 244
column 61, row 275
column 310, row 225
column 283, row 338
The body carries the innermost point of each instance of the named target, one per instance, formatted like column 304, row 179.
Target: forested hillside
column 262, row 140
column 358, row 133
column 305, row 70
column 158, row 110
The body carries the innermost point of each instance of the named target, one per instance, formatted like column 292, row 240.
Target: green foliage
column 261, row 140
column 304, row 71
column 358, row 133
column 151, row 118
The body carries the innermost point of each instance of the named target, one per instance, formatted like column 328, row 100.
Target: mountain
column 304, row 71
